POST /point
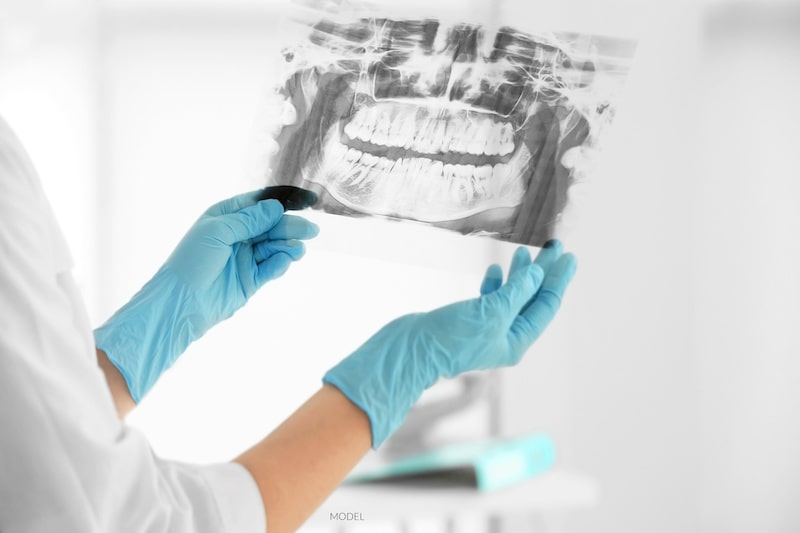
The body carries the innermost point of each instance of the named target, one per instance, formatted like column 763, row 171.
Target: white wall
column 47, row 91
column 681, row 328
column 747, row 270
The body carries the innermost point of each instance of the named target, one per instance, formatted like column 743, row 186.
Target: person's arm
column 300, row 463
column 123, row 401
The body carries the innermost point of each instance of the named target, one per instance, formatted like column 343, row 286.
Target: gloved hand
column 233, row 249
column 388, row 374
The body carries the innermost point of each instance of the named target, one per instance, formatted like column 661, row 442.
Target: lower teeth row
column 422, row 177
column 422, row 165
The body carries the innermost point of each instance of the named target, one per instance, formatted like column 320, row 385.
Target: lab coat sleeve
column 67, row 463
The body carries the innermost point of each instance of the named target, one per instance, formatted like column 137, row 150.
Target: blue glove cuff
column 146, row 336
column 381, row 380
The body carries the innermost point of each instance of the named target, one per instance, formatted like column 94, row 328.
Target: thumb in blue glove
column 388, row 374
column 232, row 250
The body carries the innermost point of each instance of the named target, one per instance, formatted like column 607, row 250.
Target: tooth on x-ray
column 422, row 121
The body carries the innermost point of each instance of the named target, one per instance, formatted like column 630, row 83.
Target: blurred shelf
column 556, row 490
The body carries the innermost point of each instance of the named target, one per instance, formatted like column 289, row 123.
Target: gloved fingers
column 520, row 260
column 549, row 254
column 266, row 249
column 492, row 280
column 532, row 321
column 272, row 267
column 231, row 205
column 559, row 276
column 290, row 227
column 247, row 223
column 518, row 290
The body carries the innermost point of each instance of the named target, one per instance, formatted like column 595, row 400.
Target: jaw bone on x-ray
column 445, row 124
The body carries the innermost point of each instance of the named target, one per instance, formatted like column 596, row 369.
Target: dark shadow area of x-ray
column 445, row 124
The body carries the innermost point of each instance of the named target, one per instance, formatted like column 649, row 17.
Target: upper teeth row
column 431, row 135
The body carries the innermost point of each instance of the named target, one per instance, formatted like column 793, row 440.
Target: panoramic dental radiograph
column 448, row 124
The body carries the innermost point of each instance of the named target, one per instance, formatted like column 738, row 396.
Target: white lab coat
column 67, row 463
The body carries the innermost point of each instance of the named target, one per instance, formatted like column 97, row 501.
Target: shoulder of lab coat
column 66, row 461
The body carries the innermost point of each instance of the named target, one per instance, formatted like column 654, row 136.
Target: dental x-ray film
column 449, row 124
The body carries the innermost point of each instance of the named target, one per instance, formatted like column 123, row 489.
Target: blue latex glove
column 233, row 249
column 388, row 374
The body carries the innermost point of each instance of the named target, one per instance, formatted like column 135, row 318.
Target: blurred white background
column 671, row 375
